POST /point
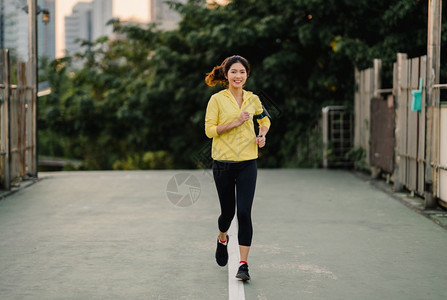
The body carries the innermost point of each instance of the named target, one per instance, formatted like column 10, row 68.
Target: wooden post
column 432, row 125
column 32, row 37
column 398, row 185
column 5, row 126
column 375, row 171
column 357, row 108
column 377, row 77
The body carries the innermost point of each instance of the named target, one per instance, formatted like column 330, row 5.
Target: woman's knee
column 224, row 222
column 244, row 217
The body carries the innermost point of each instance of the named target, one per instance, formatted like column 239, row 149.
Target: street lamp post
column 45, row 13
column 32, row 50
column 33, row 10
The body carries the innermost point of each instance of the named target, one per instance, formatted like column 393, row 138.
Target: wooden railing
column 17, row 122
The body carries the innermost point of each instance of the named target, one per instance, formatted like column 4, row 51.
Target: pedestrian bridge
column 318, row 234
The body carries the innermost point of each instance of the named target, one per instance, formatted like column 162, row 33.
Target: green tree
column 145, row 92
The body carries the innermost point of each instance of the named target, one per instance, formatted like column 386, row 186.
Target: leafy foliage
column 144, row 91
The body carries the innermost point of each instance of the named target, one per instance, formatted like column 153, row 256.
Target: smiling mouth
column 238, row 81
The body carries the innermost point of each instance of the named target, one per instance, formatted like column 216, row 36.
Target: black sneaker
column 222, row 253
column 242, row 273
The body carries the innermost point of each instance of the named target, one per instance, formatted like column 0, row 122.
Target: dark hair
column 217, row 75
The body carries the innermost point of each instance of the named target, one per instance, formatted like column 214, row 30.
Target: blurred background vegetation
column 139, row 100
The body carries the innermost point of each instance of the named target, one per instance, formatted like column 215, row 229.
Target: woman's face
column 237, row 75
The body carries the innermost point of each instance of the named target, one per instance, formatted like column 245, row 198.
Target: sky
column 137, row 9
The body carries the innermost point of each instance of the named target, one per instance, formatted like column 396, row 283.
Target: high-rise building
column 88, row 21
column 102, row 13
column 46, row 32
column 78, row 26
column 14, row 28
column 163, row 15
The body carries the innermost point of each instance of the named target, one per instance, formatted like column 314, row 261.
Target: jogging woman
column 229, row 122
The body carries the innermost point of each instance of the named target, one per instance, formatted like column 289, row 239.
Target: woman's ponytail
column 215, row 76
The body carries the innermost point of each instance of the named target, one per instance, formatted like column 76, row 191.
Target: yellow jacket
column 238, row 144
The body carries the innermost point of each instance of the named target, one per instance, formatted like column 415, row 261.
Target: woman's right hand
column 244, row 116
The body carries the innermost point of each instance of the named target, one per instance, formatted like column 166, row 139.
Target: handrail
column 384, row 91
column 12, row 86
column 439, row 86
column 438, row 166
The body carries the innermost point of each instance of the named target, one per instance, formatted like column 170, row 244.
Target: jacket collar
column 227, row 93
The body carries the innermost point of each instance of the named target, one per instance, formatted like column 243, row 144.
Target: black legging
column 241, row 175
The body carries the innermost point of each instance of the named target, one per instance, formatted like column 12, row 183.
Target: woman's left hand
column 260, row 140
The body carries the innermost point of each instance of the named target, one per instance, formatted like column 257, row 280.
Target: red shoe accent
column 243, row 262
column 223, row 242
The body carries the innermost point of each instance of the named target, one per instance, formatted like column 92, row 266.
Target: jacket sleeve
column 211, row 118
column 265, row 121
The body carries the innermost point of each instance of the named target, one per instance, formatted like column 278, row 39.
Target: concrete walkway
column 318, row 234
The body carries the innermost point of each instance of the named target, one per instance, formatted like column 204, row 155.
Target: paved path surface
column 115, row 235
